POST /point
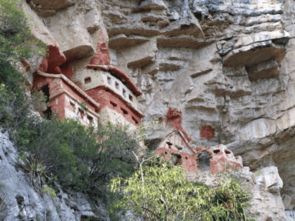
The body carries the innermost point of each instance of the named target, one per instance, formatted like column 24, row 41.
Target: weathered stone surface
column 19, row 200
column 47, row 8
column 267, row 202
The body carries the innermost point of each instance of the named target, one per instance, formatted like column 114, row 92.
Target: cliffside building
column 99, row 91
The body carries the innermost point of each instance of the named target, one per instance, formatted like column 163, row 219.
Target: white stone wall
column 92, row 78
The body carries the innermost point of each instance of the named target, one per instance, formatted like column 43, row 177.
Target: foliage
column 16, row 41
column 49, row 190
column 163, row 193
column 79, row 158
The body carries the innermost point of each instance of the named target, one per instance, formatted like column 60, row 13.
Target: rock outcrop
column 226, row 64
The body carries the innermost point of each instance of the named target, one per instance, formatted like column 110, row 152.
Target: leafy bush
column 79, row 158
column 16, row 40
column 16, row 43
column 163, row 193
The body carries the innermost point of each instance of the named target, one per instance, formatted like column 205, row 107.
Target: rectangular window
column 124, row 111
column 87, row 80
column 124, row 93
column 113, row 104
column 130, row 97
column 90, row 119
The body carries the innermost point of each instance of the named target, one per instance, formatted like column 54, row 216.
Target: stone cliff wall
column 225, row 64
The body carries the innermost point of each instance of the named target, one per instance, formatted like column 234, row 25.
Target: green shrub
column 16, row 43
column 163, row 193
column 79, row 158
column 48, row 190
column 16, row 40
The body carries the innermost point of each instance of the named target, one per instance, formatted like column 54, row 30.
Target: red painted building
column 175, row 147
column 65, row 99
column 100, row 87
column 111, row 87
column 115, row 91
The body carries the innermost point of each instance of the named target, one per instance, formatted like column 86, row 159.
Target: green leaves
column 80, row 158
column 16, row 41
column 166, row 195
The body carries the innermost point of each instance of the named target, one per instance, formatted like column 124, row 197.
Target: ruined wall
column 226, row 65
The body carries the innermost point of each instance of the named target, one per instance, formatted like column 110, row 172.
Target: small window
column 176, row 159
column 227, row 152
column 73, row 106
column 81, row 112
column 109, row 79
column 124, row 92
column 113, row 104
column 124, row 111
column 216, row 151
column 87, row 80
column 130, row 97
column 136, row 122
column 117, row 85
column 90, row 119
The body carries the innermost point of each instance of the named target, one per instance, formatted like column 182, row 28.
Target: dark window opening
column 48, row 112
column 124, row 93
column 113, row 104
column 176, row 159
column 73, row 105
column 90, row 119
column 130, row 97
column 169, row 144
column 117, row 85
column 45, row 90
column 135, row 121
column 216, row 151
column 81, row 112
column 87, row 80
column 204, row 161
column 124, row 111
column 227, row 152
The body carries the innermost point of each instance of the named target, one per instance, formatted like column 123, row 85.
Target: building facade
column 98, row 92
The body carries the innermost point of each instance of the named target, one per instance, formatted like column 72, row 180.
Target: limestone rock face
column 19, row 199
column 226, row 64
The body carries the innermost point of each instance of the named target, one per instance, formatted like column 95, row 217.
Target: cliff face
column 227, row 64
column 224, row 64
